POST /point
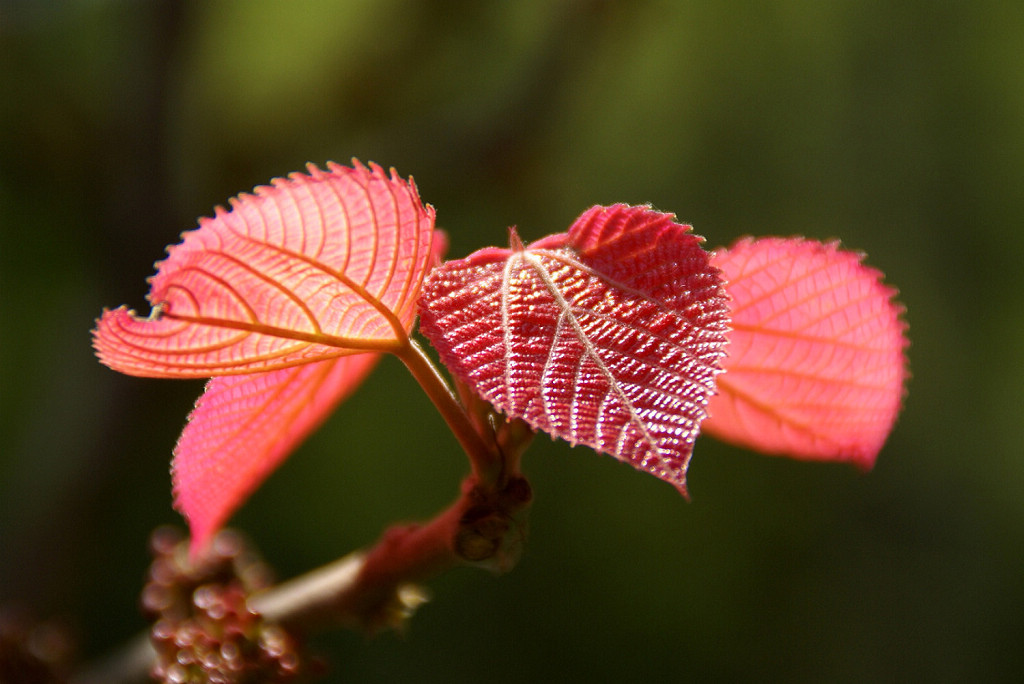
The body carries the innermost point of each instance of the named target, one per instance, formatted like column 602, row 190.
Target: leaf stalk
column 485, row 459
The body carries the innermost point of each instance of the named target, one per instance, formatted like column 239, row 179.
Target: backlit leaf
column 608, row 335
column 310, row 267
column 244, row 426
column 815, row 366
column 282, row 297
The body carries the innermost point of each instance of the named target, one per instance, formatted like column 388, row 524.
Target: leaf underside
column 280, row 298
column 815, row 366
column 311, row 267
column 244, row 426
column 609, row 335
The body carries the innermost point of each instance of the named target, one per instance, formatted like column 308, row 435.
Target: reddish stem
column 485, row 459
column 377, row 588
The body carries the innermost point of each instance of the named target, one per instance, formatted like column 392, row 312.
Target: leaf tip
column 203, row 516
column 514, row 241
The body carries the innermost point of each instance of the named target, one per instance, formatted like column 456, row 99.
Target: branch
column 378, row 588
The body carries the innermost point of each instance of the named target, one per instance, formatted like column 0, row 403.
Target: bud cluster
column 203, row 629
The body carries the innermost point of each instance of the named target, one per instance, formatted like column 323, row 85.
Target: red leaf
column 276, row 295
column 244, row 426
column 311, row 267
column 609, row 335
column 815, row 366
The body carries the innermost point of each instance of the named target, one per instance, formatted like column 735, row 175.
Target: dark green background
column 896, row 126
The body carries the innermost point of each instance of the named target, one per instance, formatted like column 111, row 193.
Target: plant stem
column 363, row 589
column 485, row 459
column 374, row 589
column 377, row 588
column 131, row 663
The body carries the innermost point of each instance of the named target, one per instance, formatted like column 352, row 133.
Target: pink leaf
column 244, row 426
column 312, row 267
column 815, row 366
column 609, row 335
column 277, row 295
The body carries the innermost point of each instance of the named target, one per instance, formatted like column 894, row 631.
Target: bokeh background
column 897, row 127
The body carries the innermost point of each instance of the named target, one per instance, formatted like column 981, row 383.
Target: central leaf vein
column 590, row 350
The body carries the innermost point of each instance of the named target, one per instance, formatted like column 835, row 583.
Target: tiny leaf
column 815, row 366
column 280, row 297
column 608, row 335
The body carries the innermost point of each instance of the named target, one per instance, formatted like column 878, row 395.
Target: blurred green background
column 898, row 127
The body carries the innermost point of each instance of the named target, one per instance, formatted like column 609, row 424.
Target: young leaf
column 279, row 296
column 815, row 365
column 608, row 335
column 244, row 426
column 311, row 267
